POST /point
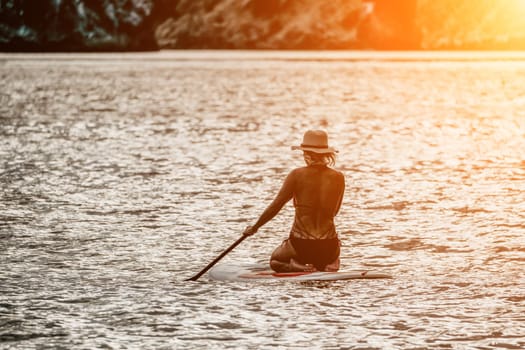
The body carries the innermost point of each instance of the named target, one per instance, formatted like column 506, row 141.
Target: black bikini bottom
column 318, row 252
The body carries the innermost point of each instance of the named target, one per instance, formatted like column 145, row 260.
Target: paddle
column 230, row 248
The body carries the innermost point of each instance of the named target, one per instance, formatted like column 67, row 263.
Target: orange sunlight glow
column 489, row 24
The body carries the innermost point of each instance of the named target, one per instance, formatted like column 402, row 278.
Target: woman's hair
column 313, row 158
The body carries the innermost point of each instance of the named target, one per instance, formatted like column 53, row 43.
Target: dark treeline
column 136, row 25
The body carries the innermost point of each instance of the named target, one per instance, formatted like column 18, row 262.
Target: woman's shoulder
column 338, row 174
column 307, row 169
column 335, row 172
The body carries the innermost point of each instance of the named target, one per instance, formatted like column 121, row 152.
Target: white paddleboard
column 232, row 272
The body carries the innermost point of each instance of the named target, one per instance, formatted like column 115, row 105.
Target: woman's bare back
column 317, row 194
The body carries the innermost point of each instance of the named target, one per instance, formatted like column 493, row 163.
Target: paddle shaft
column 230, row 248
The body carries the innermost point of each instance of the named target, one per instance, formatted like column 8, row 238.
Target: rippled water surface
column 122, row 175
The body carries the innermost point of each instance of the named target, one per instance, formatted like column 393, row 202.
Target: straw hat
column 315, row 141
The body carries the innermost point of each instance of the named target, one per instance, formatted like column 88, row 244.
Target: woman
column 317, row 191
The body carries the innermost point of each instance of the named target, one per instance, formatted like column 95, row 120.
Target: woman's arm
column 284, row 195
column 342, row 184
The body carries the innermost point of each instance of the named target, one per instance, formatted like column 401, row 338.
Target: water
column 122, row 175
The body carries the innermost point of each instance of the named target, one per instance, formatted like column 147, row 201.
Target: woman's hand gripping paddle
column 247, row 232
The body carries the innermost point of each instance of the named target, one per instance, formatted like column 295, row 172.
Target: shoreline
column 276, row 55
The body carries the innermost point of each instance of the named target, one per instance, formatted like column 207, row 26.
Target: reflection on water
column 122, row 177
